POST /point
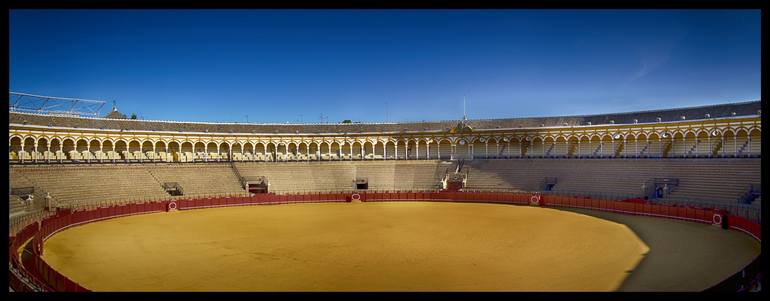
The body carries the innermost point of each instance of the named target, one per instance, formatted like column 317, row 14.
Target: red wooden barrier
column 680, row 212
column 653, row 209
column 691, row 213
column 551, row 200
column 630, row 207
column 59, row 283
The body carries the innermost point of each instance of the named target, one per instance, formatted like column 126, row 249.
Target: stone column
column 396, row 149
column 472, row 151
column 710, row 149
column 660, row 141
column 613, row 146
column 578, row 148
column 748, row 138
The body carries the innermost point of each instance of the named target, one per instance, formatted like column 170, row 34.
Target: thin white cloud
column 655, row 56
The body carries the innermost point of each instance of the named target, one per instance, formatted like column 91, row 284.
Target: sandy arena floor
column 404, row 246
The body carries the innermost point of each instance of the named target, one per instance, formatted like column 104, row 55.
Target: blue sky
column 378, row 65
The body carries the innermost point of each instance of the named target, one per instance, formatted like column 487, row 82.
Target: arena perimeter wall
column 31, row 273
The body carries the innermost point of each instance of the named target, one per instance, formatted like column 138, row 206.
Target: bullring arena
column 664, row 200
